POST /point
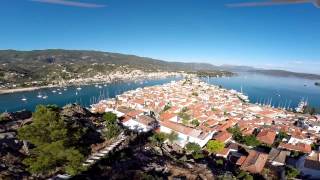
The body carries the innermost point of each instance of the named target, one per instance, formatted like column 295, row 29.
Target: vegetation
column 195, row 94
column 184, row 116
column 24, row 68
column 195, row 122
column 214, row 146
column 158, row 138
column 166, row 107
column 244, row 176
column 291, row 172
column 112, row 128
column 173, row 136
column 250, row 140
column 195, row 150
column 55, row 143
column 192, row 147
column 219, row 162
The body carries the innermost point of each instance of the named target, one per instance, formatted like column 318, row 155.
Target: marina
column 285, row 93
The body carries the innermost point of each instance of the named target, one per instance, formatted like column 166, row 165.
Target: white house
column 186, row 134
column 141, row 123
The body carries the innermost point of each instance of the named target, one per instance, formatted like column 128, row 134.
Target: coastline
column 16, row 90
column 9, row 91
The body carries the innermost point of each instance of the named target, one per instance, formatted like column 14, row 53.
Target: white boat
column 79, row 88
column 44, row 97
column 60, row 93
column 39, row 95
column 23, row 99
column 54, row 91
column 65, row 89
column 99, row 87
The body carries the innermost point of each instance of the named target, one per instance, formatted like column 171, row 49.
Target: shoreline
column 10, row 91
column 27, row 89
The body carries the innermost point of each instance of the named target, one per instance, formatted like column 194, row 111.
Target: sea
column 284, row 92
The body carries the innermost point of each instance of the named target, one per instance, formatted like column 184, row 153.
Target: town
column 254, row 137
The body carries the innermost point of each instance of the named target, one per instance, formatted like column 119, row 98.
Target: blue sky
column 282, row 37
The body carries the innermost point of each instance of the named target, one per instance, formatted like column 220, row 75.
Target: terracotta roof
column 134, row 113
column 266, row 136
column 255, row 162
column 166, row 116
column 305, row 148
column 222, row 136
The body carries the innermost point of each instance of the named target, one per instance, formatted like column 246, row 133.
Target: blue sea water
column 88, row 94
column 277, row 91
column 283, row 92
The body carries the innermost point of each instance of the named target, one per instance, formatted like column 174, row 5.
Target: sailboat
column 23, row 99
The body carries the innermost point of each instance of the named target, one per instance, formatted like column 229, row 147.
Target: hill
column 283, row 73
column 44, row 66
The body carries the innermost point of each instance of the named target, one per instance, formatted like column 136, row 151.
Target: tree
column 166, row 107
column 158, row 138
column 244, row 176
column 110, row 118
column 112, row 128
column 192, row 147
column 291, row 172
column 251, row 140
column 173, row 136
column 214, row 146
column 195, row 122
column 55, row 143
column 282, row 135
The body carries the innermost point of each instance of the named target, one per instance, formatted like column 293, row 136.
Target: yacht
column 23, row 99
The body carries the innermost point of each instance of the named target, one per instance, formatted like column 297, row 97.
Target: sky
column 273, row 37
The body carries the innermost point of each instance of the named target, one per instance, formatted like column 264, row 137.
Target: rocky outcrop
column 11, row 149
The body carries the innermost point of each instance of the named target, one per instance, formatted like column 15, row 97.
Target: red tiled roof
column 266, row 136
column 166, row 116
column 255, row 162
column 222, row 136
column 305, row 148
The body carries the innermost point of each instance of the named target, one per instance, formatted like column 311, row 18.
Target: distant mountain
column 43, row 57
column 283, row 73
column 235, row 68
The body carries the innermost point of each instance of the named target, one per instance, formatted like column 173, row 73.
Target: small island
column 317, row 83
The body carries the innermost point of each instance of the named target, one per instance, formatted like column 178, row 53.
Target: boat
column 23, row 99
column 54, row 91
column 44, row 97
column 79, row 88
column 99, row 87
column 39, row 95
column 60, row 93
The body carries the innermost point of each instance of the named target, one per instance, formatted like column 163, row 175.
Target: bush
column 158, row 138
column 214, row 146
column 291, row 172
column 192, row 147
column 195, row 123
